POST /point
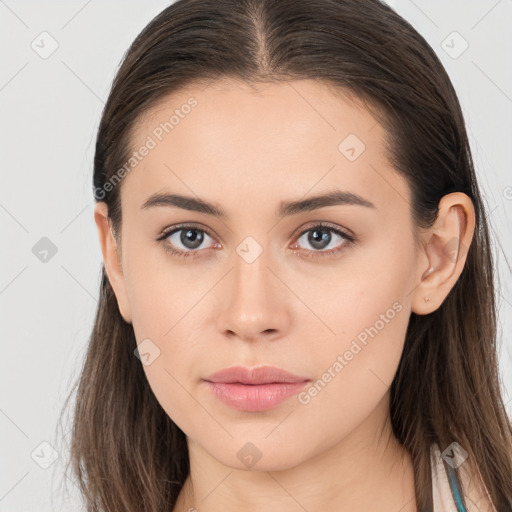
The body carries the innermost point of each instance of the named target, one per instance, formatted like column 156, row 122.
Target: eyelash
column 349, row 240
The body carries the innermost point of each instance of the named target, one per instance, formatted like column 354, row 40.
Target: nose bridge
column 251, row 259
column 254, row 304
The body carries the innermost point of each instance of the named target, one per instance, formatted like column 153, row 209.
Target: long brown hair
column 126, row 453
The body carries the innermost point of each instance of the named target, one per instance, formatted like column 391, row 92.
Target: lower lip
column 261, row 397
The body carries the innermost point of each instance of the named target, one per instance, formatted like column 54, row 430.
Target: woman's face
column 262, row 284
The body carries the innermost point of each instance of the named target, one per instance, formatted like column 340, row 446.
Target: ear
column 445, row 248
column 112, row 259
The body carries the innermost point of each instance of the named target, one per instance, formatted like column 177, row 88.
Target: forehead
column 228, row 141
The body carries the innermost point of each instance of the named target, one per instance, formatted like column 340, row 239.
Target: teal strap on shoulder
column 456, row 492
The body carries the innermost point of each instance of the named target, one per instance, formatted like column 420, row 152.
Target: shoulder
column 475, row 494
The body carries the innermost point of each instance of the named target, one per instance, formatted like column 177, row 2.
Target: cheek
column 158, row 294
column 164, row 313
column 369, row 313
column 369, row 298
column 365, row 352
column 354, row 372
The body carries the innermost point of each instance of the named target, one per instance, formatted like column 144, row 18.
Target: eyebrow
column 286, row 208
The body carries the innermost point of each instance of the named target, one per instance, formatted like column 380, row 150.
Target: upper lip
column 258, row 375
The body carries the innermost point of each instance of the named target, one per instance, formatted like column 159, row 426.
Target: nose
column 255, row 303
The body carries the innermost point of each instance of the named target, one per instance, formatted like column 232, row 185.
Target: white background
column 50, row 110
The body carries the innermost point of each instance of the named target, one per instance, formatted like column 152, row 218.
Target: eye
column 320, row 238
column 191, row 238
column 188, row 236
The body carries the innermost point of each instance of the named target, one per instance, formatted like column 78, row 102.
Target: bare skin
column 247, row 151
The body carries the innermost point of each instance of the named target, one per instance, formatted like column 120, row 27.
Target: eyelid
column 316, row 224
column 177, row 227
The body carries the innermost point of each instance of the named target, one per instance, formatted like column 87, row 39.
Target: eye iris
column 319, row 234
column 187, row 236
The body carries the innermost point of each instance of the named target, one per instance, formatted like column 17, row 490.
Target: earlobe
column 112, row 258
column 446, row 247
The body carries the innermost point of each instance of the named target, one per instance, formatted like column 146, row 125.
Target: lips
column 254, row 390
column 255, row 376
